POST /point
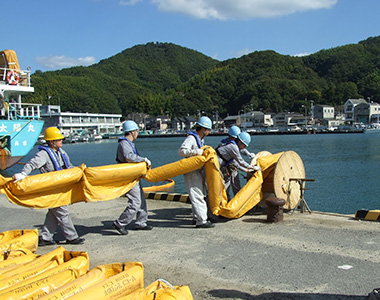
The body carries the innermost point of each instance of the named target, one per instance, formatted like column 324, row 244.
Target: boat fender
column 12, row 77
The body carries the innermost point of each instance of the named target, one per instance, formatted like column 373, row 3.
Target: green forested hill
column 265, row 80
column 163, row 77
column 350, row 71
column 114, row 85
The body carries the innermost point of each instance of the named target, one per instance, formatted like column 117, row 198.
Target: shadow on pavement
column 234, row 294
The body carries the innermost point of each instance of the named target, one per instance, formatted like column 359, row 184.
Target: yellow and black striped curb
column 370, row 215
column 168, row 196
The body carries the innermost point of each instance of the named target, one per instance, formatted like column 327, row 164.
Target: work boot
column 146, row 227
column 374, row 295
column 121, row 230
column 42, row 242
column 208, row 224
column 77, row 241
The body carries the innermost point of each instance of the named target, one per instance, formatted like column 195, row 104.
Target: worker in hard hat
column 127, row 153
column 195, row 180
column 233, row 133
column 52, row 158
column 230, row 160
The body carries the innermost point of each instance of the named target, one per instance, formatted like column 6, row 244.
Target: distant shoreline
column 251, row 133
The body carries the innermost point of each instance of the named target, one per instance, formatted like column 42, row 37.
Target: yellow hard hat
column 53, row 134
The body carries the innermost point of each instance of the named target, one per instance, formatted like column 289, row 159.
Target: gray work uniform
column 230, row 161
column 126, row 153
column 195, row 180
column 235, row 178
column 57, row 216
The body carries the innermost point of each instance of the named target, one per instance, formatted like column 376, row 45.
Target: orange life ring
column 12, row 77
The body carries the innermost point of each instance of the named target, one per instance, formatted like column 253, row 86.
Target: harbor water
column 345, row 166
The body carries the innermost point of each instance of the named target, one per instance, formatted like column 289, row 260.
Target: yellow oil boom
column 278, row 176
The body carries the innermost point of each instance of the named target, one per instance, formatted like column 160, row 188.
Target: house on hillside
column 249, row 120
column 289, row 120
column 158, row 123
column 325, row 115
column 374, row 112
column 360, row 111
column 183, row 123
column 256, row 118
column 353, row 115
column 323, row 112
column 268, row 119
column 231, row 120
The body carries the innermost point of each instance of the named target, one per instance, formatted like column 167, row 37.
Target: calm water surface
column 345, row 166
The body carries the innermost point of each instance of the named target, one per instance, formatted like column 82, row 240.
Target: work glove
column 253, row 169
column 19, row 176
column 148, row 163
column 251, row 155
column 250, row 170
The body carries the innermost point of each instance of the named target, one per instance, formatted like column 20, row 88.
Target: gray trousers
column 58, row 216
column 235, row 182
column 136, row 207
column 195, row 184
column 231, row 181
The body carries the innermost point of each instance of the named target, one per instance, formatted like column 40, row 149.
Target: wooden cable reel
column 266, row 193
column 259, row 154
column 277, row 183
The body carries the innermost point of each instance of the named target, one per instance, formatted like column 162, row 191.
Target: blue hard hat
column 234, row 131
column 245, row 138
column 205, row 122
column 129, row 126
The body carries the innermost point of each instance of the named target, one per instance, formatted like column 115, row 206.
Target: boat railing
column 15, row 77
column 22, row 111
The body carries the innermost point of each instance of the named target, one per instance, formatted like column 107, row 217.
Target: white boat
column 20, row 124
column 372, row 128
column 97, row 137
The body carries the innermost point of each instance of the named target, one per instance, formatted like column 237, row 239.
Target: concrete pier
column 307, row 256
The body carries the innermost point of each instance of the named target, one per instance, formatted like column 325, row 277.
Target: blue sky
column 51, row 34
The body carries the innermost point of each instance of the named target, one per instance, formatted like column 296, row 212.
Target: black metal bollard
column 275, row 209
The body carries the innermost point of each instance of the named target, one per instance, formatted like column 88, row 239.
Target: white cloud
column 130, row 2
column 242, row 52
column 240, row 9
column 59, row 62
column 302, row 54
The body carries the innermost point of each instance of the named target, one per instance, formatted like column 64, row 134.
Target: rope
column 162, row 187
column 17, row 129
column 167, row 282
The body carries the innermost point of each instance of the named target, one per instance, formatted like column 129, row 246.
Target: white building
column 323, row 112
column 289, row 120
column 71, row 122
column 374, row 112
column 360, row 111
